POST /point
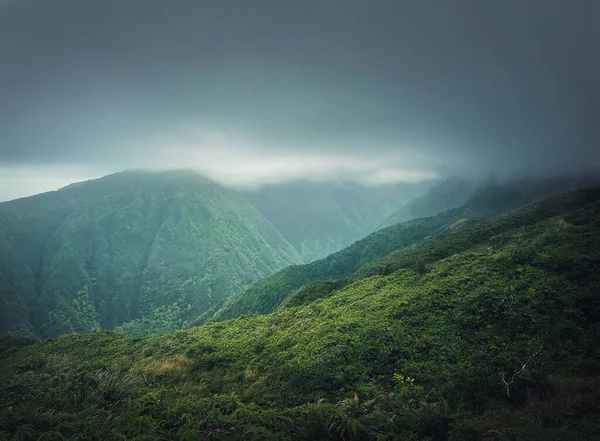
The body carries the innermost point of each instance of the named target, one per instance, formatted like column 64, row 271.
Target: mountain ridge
column 321, row 218
column 486, row 332
column 125, row 223
column 444, row 195
column 487, row 200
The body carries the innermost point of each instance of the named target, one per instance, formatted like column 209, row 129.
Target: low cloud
column 239, row 161
column 318, row 90
column 26, row 180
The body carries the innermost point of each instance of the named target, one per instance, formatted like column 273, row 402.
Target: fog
column 368, row 91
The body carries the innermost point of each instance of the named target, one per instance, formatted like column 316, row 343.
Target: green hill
column 322, row 218
column 142, row 250
column 266, row 294
column 487, row 200
column 488, row 331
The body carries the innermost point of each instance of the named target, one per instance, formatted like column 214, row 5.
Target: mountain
column 443, row 196
column 266, row 294
column 146, row 251
column 321, row 218
column 488, row 331
column 486, row 200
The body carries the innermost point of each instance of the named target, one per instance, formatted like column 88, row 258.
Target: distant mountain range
column 153, row 252
column 481, row 200
column 148, row 252
column 474, row 328
column 321, row 218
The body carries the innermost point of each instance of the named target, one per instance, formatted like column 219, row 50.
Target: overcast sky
column 255, row 91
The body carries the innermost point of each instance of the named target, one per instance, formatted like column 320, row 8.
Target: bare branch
column 519, row 372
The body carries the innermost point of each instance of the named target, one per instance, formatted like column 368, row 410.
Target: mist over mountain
column 516, row 293
column 483, row 199
column 285, row 91
column 149, row 252
column 321, row 218
column 489, row 195
column 446, row 194
column 152, row 252
column 340, row 220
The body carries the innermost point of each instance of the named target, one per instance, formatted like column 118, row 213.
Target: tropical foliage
column 148, row 251
column 486, row 200
column 488, row 331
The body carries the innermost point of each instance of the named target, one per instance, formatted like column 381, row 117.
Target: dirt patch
column 563, row 223
column 177, row 364
column 250, row 374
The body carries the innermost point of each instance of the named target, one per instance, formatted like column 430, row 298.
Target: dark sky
column 253, row 91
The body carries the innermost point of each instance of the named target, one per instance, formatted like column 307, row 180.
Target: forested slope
column 487, row 332
column 487, row 200
column 145, row 250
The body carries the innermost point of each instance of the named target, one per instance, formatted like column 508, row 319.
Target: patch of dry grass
column 177, row 365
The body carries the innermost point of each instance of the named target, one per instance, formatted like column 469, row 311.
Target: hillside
column 487, row 200
column 322, row 218
column 142, row 250
column 442, row 196
column 266, row 294
column 488, row 196
column 486, row 332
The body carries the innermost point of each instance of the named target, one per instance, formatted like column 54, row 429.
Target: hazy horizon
column 371, row 92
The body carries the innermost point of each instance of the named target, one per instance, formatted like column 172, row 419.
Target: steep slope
column 486, row 332
column 460, row 236
column 321, row 218
column 25, row 227
column 266, row 294
column 443, row 196
column 149, row 250
column 487, row 200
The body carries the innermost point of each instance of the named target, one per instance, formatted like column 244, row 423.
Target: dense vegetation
column 147, row 251
column 487, row 200
column 321, row 218
column 266, row 294
column 488, row 331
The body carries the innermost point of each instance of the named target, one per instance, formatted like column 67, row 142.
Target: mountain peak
column 133, row 247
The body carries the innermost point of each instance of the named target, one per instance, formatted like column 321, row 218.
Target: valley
column 427, row 321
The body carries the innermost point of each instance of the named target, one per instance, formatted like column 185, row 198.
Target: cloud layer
column 371, row 90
